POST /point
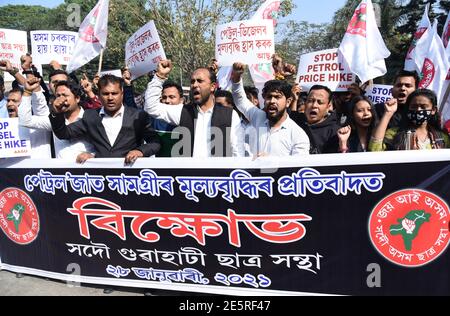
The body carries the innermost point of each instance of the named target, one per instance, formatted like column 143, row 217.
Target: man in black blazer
column 114, row 130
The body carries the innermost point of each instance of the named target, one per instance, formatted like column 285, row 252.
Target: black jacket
column 221, row 119
column 323, row 136
column 136, row 127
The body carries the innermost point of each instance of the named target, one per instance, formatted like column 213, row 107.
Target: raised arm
column 5, row 65
column 153, row 106
column 26, row 118
column 240, row 99
column 377, row 141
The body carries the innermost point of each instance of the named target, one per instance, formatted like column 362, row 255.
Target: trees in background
column 187, row 27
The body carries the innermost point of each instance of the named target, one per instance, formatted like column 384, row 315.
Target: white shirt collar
column 119, row 113
column 208, row 111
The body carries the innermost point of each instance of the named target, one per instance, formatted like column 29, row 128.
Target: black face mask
column 419, row 118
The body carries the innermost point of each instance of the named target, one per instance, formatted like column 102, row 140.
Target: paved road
column 10, row 285
column 28, row 285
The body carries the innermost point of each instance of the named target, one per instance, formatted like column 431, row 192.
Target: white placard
column 379, row 93
column 52, row 45
column 13, row 44
column 12, row 143
column 327, row 68
column 143, row 51
column 249, row 42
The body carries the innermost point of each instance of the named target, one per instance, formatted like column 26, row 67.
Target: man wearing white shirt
column 277, row 134
column 213, row 130
column 3, row 110
column 67, row 94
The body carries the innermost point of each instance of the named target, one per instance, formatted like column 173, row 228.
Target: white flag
column 410, row 64
column 446, row 36
column 91, row 36
column 445, row 111
column 363, row 47
column 431, row 59
column 268, row 11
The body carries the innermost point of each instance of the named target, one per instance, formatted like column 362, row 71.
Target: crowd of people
column 83, row 119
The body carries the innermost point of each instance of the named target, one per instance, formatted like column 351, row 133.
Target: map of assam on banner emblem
column 19, row 219
column 410, row 228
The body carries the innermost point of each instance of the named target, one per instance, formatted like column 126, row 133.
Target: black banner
column 368, row 229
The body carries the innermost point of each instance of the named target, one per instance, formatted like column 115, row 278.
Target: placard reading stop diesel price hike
column 12, row 144
column 327, row 68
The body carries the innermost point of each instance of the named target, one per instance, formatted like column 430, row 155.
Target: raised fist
column 238, row 71
column 164, row 68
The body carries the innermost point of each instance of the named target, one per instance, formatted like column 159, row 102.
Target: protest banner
column 379, row 93
column 249, row 42
column 327, row 68
column 52, row 45
column 235, row 227
column 13, row 44
column 13, row 142
column 143, row 51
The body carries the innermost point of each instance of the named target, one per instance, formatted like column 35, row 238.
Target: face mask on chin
column 418, row 118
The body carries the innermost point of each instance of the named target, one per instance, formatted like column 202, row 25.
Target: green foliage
column 25, row 18
column 301, row 38
column 186, row 27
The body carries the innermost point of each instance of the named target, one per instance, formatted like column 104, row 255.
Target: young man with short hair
column 405, row 83
column 276, row 133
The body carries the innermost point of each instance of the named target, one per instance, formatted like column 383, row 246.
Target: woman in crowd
column 420, row 130
column 362, row 120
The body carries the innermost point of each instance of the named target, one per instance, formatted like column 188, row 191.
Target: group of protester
column 80, row 120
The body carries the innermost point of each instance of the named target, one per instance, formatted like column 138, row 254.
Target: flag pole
column 101, row 61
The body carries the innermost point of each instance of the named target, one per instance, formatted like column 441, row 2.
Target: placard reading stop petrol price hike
column 12, row 144
column 327, row 68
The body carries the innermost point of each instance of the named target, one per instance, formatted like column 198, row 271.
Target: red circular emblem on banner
column 19, row 218
column 428, row 73
column 410, row 228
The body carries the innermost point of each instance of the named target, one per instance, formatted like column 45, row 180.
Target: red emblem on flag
column 358, row 24
column 446, row 36
column 88, row 34
column 271, row 12
column 428, row 73
column 417, row 36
